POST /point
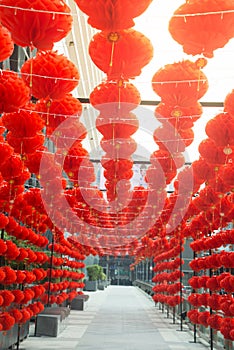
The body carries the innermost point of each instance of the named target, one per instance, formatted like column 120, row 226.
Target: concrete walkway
column 119, row 318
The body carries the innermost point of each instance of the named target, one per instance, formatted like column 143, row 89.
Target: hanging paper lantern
column 74, row 158
column 16, row 313
column 112, row 15
column 126, row 53
column 6, row 321
column 11, row 254
column 12, row 167
column 118, row 169
column 84, row 175
column 23, row 123
column 227, row 173
column 18, row 294
column 25, row 315
column 68, row 134
column 221, row 129
column 3, row 221
column 6, row 44
column 203, row 318
column 203, row 26
column 8, row 297
column 36, row 23
column 13, row 91
column 118, row 148
column 186, row 183
column 22, row 255
column 180, row 84
column 26, row 144
column 33, row 160
column 55, row 112
column 214, row 154
column 202, row 170
column 171, row 140
column 50, row 75
column 28, row 295
column 5, row 151
column 180, row 117
column 215, row 321
column 229, row 103
column 117, row 127
column 207, row 198
column 115, row 98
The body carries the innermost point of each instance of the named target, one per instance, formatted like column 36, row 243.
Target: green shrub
column 94, row 272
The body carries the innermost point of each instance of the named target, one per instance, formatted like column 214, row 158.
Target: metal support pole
column 181, row 294
column 51, row 266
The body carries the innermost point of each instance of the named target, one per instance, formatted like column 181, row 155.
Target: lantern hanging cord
column 17, row 8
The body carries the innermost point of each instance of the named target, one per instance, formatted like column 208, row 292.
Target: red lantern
column 171, row 140
column 74, row 158
column 180, row 84
column 117, row 127
column 215, row 321
column 112, row 15
column 20, row 276
column 6, row 321
column 68, row 134
column 12, row 167
column 203, row 318
column 11, row 254
column 33, row 160
column 22, row 255
column 3, row 222
column 25, row 315
column 227, row 174
column 202, row 170
column 18, row 294
column 50, row 75
column 6, row 44
column 118, row 169
column 214, row 154
column 8, row 297
column 5, row 151
column 36, row 23
column 126, row 53
column 25, row 145
column 16, row 314
column 229, row 103
column 203, row 26
column 23, row 123
column 118, row 148
column 115, row 98
column 221, row 129
column 13, row 91
column 28, row 295
column 180, row 117
column 55, row 112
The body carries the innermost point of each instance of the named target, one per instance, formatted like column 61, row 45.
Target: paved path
column 119, row 318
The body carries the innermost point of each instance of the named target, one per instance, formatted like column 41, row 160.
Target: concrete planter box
column 51, row 321
column 102, row 285
column 91, row 286
column 9, row 339
column 78, row 303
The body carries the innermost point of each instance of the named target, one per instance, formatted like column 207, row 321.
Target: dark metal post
column 51, row 266
column 181, row 294
column 211, row 329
